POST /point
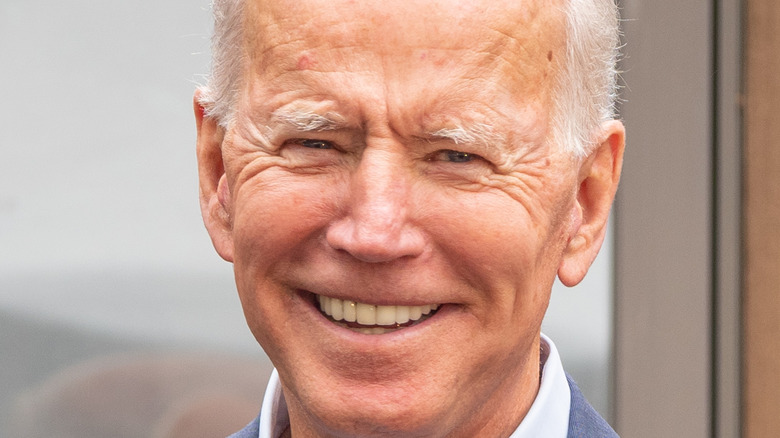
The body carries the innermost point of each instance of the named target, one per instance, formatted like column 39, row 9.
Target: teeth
column 366, row 314
column 325, row 304
column 402, row 314
column 337, row 311
column 349, row 309
column 370, row 315
column 385, row 315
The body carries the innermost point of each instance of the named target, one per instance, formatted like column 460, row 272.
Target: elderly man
column 397, row 184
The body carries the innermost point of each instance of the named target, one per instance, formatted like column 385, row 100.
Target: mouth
column 373, row 320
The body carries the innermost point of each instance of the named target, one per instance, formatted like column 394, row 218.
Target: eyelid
column 487, row 152
column 467, row 157
column 299, row 141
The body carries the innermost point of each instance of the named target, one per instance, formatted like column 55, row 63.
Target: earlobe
column 599, row 176
column 215, row 198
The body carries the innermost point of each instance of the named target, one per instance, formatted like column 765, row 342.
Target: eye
column 316, row 144
column 311, row 152
column 454, row 156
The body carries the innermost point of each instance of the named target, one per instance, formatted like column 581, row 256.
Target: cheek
column 500, row 250
column 275, row 215
column 492, row 234
column 277, row 221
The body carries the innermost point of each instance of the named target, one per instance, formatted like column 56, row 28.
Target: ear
column 598, row 180
column 215, row 199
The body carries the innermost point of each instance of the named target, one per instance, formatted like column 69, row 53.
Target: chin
column 386, row 413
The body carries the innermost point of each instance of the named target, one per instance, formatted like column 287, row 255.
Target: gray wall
column 677, row 222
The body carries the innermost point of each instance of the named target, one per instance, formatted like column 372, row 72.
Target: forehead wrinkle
column 283, row 31
column 505, row 47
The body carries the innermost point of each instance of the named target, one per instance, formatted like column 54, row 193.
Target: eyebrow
column 481, row 134
column 308, row 121
column 476, row 133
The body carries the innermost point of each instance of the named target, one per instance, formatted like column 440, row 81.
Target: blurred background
column 117, row 318
column 106, row 272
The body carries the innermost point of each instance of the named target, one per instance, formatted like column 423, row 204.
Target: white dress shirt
column 548, row 416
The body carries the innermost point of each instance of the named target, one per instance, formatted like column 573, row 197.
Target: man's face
column 396, row 155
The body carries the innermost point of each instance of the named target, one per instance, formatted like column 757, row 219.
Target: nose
column 376, row 226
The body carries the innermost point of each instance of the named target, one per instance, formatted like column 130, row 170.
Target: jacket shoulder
column 252, row 430
column 584, row 421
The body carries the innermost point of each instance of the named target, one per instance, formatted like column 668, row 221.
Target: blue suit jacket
column 584, row 421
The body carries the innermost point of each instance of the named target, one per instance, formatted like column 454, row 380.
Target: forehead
column 440, row 17
column 423, row 48
column 389, row 27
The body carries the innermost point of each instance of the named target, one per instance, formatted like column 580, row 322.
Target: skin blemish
column 306, row 61
column 434, row 58
column 550, row 56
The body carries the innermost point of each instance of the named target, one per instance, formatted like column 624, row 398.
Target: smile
column 373, row 320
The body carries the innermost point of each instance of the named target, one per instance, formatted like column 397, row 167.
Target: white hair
column 584, row 97
column 586, row 92
column 220, row 93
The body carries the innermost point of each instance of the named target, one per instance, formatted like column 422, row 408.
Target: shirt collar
column 549, row 413
column 548, row 416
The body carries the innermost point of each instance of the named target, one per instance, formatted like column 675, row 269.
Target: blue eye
column 455, row 156
column 316, row 144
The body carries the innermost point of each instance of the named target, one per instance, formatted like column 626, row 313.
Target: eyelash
column 315, row 144
column 453, row 156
